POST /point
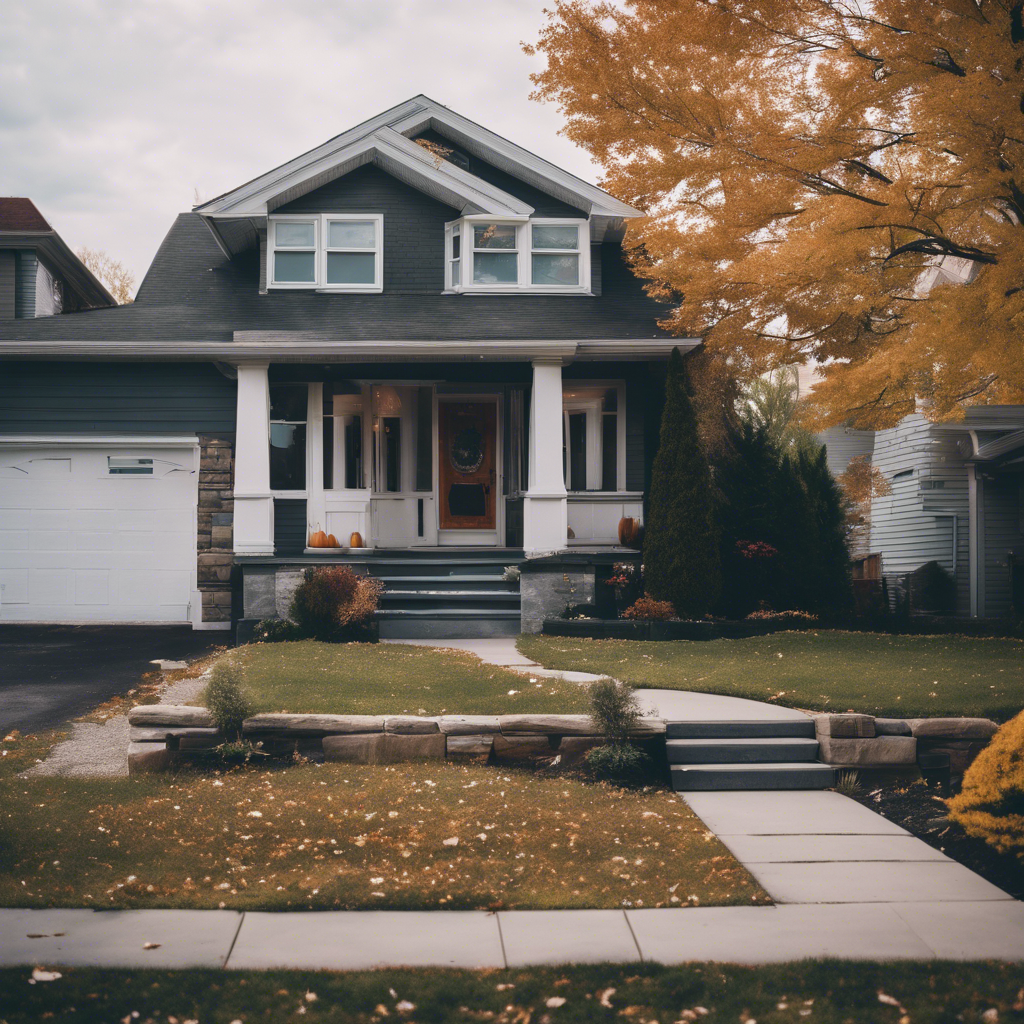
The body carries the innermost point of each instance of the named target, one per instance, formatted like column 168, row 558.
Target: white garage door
column 99, row 533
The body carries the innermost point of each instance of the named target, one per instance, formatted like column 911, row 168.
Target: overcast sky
column 113, row 113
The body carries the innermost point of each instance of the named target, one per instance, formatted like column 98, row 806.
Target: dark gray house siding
column 413, row 224
column 69, row 398
column 7, row 278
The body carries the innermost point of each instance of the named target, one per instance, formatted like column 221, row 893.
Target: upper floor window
column 498, row 256
column 337, row 252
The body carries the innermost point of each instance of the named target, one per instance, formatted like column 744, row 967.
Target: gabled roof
column 22, row 226
column 386, row 141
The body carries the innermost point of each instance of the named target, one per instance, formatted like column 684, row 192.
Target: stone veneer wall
column 214, row 536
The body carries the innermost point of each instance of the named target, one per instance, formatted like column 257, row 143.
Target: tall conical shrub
column 681, row 562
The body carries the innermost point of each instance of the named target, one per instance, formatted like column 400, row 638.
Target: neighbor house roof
column 22, row 226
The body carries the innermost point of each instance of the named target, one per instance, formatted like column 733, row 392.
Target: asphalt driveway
column 51, row 674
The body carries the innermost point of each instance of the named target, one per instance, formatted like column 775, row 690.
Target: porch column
column 254, row 505
column 976, row 539
column 545, row 512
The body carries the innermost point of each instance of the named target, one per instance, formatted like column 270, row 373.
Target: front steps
column 446, row 594
column 745, row 755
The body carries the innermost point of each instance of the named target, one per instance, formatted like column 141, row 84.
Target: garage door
column 97, row 534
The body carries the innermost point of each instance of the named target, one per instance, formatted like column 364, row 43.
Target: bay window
column 335, row 252
column 541, row 255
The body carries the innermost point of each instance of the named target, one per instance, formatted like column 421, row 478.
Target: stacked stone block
column 214, row 537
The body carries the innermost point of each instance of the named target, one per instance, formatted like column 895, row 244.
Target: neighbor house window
column 593, row 437
column 337, row 252
column 288, row 410
column 523, row 256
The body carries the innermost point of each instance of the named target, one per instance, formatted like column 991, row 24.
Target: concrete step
column 452, row 596
column 447, row 623
column 804, row 775
column 738, row 729
column 453, row 582
column 754, row 750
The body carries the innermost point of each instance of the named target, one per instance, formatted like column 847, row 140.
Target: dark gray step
column 755, row 750
column 448, row 627
column 737, row 729
column 751, row 776
column 453, row 596
column 452, row 582
column 463, row 614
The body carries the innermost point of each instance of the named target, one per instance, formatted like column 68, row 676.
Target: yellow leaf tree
column 833, row 181
column 116, row 277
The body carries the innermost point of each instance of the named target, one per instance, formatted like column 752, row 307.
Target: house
column 419, row 333
column 956, row 497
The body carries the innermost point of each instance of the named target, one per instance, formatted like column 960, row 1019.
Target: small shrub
column 332, row 602
column 239, row 751
column 614, row 709
column 275, row 631
column 848, row 783
column 767, row 615
column 990, row 804
column 648, row 608
column 619, row 762
column 225, row 698
column 512, row 574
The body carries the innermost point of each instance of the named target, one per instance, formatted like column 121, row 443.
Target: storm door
column 467, row 466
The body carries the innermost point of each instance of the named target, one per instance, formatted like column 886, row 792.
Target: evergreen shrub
column 681, row 558
column 226, row 700
column 990, row 804
column 619, row 762
column 614, row 709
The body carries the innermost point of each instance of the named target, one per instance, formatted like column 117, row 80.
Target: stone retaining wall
column 865, row 741
column 163, row 735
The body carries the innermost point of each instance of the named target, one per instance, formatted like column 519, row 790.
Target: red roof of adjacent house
column 18, row 214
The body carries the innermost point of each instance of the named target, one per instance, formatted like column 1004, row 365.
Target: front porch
column 430, row 472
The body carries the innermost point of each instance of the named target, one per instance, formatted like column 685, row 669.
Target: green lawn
column 334, row 836
column 822, row 992
column 394, row 679
column 872, row 673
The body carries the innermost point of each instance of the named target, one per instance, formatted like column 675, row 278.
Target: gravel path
column 101, row 751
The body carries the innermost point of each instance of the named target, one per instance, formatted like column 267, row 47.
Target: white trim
column 299, row 346
column 405, row 119
column 101, row 440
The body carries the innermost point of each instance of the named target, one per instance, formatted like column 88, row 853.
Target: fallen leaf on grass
column 38, row 974
column 151, row 945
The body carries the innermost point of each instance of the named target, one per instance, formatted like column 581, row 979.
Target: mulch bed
column 921, row 810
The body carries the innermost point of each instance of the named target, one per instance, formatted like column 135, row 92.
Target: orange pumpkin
column 332, row 541
column 318, row 539
column 629, row 531
column 356, row 540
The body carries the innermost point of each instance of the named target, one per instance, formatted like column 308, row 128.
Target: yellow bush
column 991, row 803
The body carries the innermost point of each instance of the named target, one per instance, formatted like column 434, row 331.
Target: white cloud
column 113, row 112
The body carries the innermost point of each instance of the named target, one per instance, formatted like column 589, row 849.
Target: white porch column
column 545, row 513
column 254, row 506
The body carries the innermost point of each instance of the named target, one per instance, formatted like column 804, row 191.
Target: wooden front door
column 467, row 464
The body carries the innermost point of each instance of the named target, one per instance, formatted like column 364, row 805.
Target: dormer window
column 540, row 255
column 332, row 252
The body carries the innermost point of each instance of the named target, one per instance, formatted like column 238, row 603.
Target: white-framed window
column 331, row 252
column 540, row 255
column 126, row 465
column 594, row 436
column 555, row 255
column 292, row 252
